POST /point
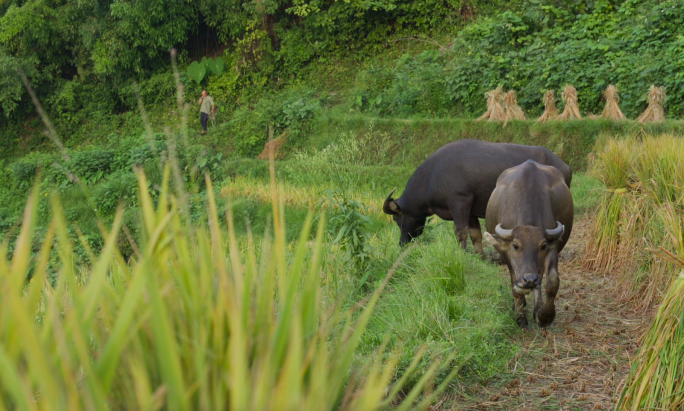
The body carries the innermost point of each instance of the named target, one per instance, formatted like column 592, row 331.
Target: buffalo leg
column 547, row 312
column 475, row 235
column 537, row 301
column 460, row 213
column 519, row 302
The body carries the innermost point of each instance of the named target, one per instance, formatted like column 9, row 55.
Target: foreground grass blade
column 185, row 325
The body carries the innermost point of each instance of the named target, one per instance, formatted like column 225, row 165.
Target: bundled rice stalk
column 641, row 178
column 656, row 378
column 494, row 110
column 612, row 111
column 513, row 110
column 571, row 110
column 550, row 110
column 654, row 112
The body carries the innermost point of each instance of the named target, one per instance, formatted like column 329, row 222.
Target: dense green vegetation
column 197, row 320
column 362, row 92
column 288, row 65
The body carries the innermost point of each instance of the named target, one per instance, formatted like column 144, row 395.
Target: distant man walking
column 206, row 108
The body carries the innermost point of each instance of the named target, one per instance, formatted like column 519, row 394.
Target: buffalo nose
column 531, row 281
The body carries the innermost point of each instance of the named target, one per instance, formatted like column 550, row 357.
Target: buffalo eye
column 515, row 247
column 543, row 247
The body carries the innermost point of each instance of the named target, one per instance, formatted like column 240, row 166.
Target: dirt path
column 580, row 362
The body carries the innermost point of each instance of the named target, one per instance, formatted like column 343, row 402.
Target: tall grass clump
column 332, row 163
column 640, row 179
column 191, row 321
column 656, row 378
column 445, row 300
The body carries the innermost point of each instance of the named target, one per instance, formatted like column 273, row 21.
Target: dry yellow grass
column 513, row 110
column 654, row 112
column 571, row 110
column 291, row 195
column 641, row 178
column 550, row 110
column 494, row 110
column 612, row 111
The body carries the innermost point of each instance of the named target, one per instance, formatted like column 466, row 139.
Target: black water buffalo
column 455, row 183
column 529, row 220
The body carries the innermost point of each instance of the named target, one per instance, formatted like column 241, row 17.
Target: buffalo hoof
column 546, row 317
column 521, row 321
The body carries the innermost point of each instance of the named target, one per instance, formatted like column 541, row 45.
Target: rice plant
column 656, row 378
column 186, row 323
column 641, row 178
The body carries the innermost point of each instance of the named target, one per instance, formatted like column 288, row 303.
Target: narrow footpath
column 580, row 362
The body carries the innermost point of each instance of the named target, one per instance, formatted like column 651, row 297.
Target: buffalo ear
column 394, row 207
column 499, row 244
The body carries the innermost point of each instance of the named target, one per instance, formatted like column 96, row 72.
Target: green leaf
column 197, row 71
column 216, row 66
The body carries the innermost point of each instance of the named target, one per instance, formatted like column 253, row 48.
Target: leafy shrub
column 115, row 188
column 93, row 164
column 142, row 153
column 199, row 159
column 347, row 226
column 413, row 84
column 291, row 110
column 545, row 45
column 24, row 171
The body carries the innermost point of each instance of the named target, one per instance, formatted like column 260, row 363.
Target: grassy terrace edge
column 415, row 139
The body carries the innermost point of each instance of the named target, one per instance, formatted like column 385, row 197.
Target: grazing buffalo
column 529, row 220
column 455, row 183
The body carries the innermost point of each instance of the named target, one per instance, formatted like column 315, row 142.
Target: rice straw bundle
column 571, row 110
column 612, row 111
column 656, row 378
column 654, row 112
column 513, row 110
column 494, row 110
column 550, row 110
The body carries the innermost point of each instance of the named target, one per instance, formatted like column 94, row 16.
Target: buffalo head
column 526, row 249
column 410, row 226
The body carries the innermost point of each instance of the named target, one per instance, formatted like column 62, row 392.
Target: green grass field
column 441, row 303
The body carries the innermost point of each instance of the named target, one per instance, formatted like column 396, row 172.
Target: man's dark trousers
column 203, row 120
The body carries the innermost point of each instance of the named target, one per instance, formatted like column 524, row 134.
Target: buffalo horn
column 556, row 232
column 386, row 206
column 503, row 233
